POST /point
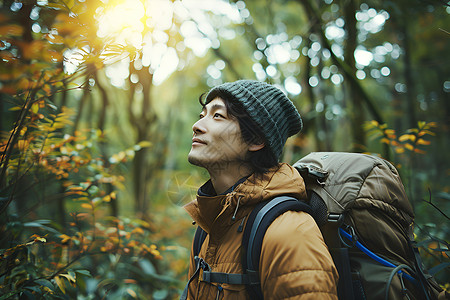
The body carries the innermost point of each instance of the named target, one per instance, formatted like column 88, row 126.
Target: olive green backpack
column 360, row 204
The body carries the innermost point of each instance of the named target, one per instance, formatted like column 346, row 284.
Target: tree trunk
column 142, row 122
column 410, row 102
column 356, row 111
column 81, row 104
column 102, row 145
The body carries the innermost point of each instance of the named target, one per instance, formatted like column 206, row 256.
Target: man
column 238, row 139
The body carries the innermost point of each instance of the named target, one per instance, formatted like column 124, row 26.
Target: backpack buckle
column 312, row 172
column 201, row 263
column 336, row 218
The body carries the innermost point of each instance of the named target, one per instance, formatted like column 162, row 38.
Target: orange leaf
column 423, row 142
column 419, row 151
column 32, row 50
column 11, row 30
column 423, row 132
column 385, row 140
column 65, row 238
column 138, row 230
column 409, row 147
column 132, row 281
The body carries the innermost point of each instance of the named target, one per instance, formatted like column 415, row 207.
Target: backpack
column 361, row 208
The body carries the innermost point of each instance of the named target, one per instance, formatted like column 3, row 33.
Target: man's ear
column 256, row 147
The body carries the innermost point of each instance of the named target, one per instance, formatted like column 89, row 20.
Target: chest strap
column 231, row 278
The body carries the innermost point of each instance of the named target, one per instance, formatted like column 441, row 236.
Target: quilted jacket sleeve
column 295, row 262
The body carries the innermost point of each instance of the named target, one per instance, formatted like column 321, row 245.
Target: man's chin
column 196, row 161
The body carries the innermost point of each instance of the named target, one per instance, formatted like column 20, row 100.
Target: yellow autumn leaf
column 60, row 284
column 40, row 239
column 144, row 144
column 409, row 147
column 132, row 293
column 389, row 131
column 35, row 108
column 385, row 140
column 407, row 137
column 22, row 144
column 15, row 108
column 86, row 205
column 69, row 277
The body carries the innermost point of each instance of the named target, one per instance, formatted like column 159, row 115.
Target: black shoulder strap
column 199, row 238
column 258, row 222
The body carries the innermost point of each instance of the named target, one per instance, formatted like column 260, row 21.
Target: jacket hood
column 223, row 210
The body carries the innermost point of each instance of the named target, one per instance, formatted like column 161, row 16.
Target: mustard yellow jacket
column 295, row 262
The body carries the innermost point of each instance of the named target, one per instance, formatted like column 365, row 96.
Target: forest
column 98, row 98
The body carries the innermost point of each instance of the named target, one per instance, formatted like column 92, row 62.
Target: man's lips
column 197, row 141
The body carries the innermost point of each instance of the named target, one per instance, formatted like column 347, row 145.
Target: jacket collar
column 214, row 213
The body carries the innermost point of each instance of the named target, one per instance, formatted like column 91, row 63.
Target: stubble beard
column 194, row 160
column 215, row 165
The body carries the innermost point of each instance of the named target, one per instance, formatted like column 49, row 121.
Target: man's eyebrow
column 214, row 107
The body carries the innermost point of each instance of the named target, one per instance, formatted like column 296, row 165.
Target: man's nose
column 198, row 127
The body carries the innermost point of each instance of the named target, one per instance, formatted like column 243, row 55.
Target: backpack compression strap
column 258, row 222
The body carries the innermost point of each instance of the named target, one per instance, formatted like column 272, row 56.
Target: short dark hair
column 260, row 161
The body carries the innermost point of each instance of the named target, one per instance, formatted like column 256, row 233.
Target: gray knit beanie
column 268, row 107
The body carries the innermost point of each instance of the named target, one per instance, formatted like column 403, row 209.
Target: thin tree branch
column 434, row 205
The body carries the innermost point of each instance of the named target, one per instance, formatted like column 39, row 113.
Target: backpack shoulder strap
column 199, row 238
column 259, row 220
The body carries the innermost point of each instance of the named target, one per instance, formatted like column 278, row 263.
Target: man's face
column 217, row 141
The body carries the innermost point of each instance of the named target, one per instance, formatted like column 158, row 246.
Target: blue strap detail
column 374, row 256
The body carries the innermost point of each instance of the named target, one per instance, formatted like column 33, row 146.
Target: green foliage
column 62, row 262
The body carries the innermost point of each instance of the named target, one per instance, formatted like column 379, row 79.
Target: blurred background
column 98, row 98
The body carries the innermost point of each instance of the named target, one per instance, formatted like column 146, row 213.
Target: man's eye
column 200, row 116
column 217, row 115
